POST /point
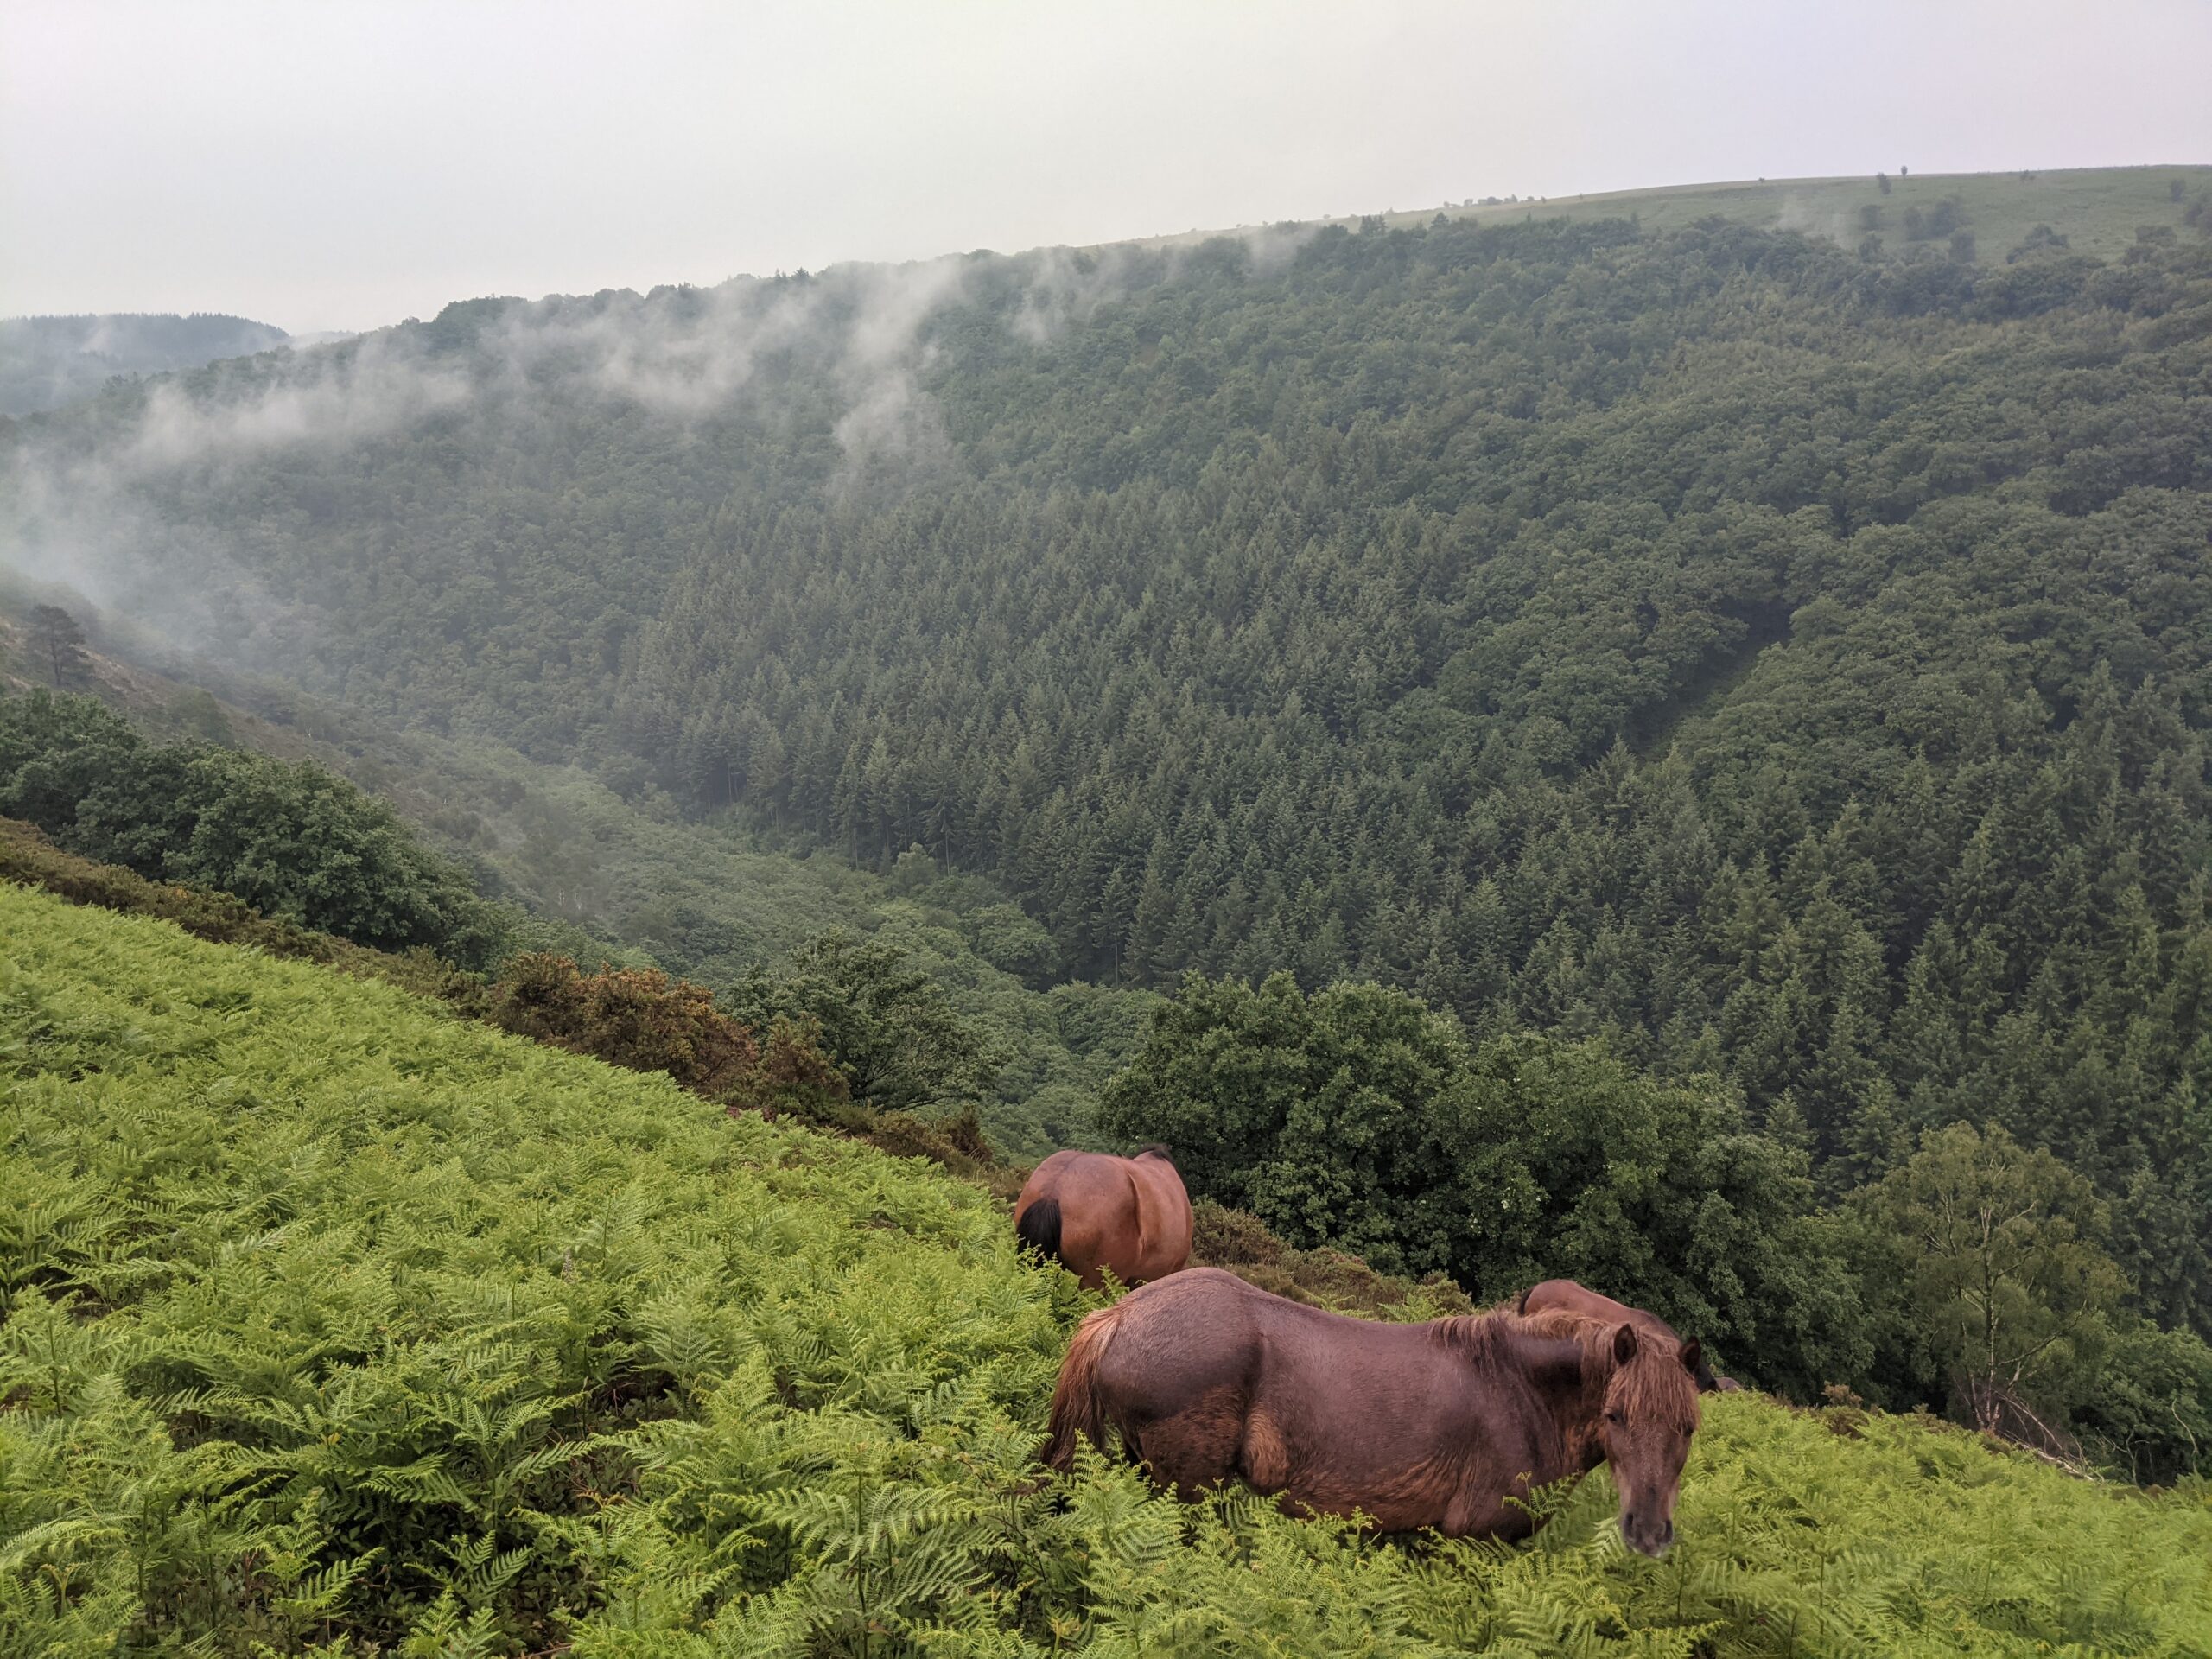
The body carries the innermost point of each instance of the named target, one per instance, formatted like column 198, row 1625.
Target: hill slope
column 1769, row 659
column 2098, row 209
column 332, row 1319
column 46, row 362
column 631, row 882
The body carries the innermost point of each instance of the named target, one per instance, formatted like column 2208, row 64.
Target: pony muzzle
column 1646, row 1534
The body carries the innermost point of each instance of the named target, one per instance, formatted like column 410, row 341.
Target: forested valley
column 1698, row 734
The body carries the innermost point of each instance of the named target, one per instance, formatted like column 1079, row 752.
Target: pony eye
column 1617, row 1417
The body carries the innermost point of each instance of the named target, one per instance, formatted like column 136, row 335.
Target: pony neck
column 1565, row 1377
column 1569, row 1380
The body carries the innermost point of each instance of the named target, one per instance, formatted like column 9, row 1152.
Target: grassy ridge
column 334, row 1323
column 2099, row 209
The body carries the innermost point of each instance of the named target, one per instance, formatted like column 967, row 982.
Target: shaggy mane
column 1654, row 1384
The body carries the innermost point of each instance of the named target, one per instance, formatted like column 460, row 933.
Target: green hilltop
column 2099, row 209
column 336, row 1325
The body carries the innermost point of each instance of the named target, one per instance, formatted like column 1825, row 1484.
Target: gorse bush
column 334, row 1325
column 640, row 1019
column 636, row 1017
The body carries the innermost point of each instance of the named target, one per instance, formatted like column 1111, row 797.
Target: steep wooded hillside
column 1771, row 658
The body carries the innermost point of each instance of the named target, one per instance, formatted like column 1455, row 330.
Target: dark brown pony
column 1565, row 1293
column 1439, row 1425
column 1100, row 1214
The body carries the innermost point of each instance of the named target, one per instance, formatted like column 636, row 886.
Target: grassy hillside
column 632, row 881
column 333, row 1325
column 2099, row 209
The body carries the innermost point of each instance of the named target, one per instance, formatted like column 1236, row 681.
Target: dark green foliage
column 1360, row 1120
column 1974, row 1277
column 2148, row 1414
column 293, row 841
column 28, row 858
column 2042, row 239
column 1988, row 1288
column 887, row 1025
column 1986, row 1259
column 1937, row 222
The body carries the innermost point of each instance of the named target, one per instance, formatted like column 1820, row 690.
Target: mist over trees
column 46, row 362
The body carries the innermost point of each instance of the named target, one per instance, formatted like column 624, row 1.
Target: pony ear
column 1691, row 1353
column 1624, row 1344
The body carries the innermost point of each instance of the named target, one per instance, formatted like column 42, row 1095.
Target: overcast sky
column 326, row 164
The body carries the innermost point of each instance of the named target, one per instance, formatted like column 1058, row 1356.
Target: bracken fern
column 333, row 1325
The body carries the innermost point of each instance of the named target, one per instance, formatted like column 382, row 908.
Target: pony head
column 1649, row 1414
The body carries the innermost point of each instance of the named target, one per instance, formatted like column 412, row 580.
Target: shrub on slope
column 294, row 840
column 27, row 856
column 331, row 1323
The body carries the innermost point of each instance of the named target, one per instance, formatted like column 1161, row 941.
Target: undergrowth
column 331, row 1325
column 645, row 1022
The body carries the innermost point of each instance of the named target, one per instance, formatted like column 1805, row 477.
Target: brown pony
column 1565, row 1293
column 1100, row 1214
column 1439, row 1425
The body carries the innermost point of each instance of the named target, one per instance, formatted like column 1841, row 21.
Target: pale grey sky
column 326, row 164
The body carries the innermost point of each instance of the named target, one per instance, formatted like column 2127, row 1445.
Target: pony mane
column 1662, row 1387
column 1151, row 1149
column 1481, row 1338
column 1655, row 1385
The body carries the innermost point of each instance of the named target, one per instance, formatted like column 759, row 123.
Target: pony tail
column 1078, row 1413
column 1039, row 1228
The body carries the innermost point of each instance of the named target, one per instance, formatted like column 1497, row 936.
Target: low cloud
column 89, row 492
column 332, row 397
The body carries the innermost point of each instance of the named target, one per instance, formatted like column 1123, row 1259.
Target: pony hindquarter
column 1203, row 1379
column 1078, row 1409
column 1097, row 1214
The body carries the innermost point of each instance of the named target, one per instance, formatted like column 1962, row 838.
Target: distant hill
column 2097, row 210
column 46, row 362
